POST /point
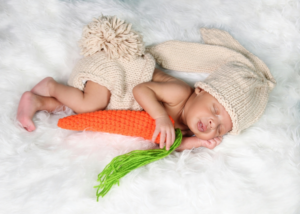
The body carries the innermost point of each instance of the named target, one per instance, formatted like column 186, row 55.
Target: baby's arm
column 194, row 142
column 146, row 96
column 152, row 96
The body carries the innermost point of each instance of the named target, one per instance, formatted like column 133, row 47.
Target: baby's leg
column 31, row 103
column 54, row 95
column 42, row 88
column 95, row 97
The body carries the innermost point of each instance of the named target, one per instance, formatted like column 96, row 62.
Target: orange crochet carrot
column 124, row 122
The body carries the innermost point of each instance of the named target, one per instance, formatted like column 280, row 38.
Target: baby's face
column 206, row 117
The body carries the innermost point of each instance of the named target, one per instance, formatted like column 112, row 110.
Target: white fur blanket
column 53, row 171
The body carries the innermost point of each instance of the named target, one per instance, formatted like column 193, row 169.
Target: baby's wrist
column 160, row 117
column 189, row 143
column 199, row 142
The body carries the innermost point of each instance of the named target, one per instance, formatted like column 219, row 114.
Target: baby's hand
column 211, row 143
column 165, row 127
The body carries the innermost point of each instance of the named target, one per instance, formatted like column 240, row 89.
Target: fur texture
column 53, row 171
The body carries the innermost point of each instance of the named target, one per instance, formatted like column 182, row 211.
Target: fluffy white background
column 54, row 171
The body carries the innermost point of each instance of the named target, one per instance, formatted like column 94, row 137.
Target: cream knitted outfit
column 114, row 58
column 118, row 76
column 240, row 81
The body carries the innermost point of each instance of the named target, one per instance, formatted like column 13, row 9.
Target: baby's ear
column 198, row 90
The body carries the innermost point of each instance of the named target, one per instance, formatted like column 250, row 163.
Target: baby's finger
column 162, row 139
column 173, row 136
column 168, row 144
column 154, row 136
column 212, row 144
column 219, row 140
column 211, row 141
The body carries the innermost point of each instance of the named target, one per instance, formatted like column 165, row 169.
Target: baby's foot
column 28, row 105
column 42, row 88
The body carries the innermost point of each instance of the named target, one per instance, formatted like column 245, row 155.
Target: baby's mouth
column 201, row 127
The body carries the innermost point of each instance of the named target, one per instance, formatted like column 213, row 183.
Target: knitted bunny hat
column 239, row 80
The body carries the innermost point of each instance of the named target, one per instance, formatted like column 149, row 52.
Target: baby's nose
column 212, row 124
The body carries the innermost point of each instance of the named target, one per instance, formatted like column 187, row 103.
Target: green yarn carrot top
column 123, row 164
column 126, row 122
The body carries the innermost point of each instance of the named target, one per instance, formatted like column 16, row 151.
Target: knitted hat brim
column 216, row 94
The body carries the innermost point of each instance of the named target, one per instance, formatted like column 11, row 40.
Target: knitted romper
column 119, row 76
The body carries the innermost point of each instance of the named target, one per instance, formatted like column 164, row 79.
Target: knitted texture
column 119, row 76
column 124, row 122
column 112, row 35
column 115, row 59
column 239, row 80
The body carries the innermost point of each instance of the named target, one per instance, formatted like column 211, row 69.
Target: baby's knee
column 86, row 107
column 82, row 110
column 95, row 98
column 51, row 85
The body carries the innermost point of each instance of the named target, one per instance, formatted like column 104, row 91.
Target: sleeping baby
column 117, row 72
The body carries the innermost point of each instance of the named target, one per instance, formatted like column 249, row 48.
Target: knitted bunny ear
column 113, row 36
